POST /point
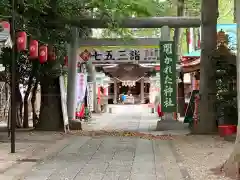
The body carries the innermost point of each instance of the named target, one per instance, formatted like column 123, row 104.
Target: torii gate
column 149, row 22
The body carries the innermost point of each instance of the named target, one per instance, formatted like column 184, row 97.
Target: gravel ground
column 199, row 154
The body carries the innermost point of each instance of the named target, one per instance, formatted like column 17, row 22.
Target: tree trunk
column 51, row 118
column 232, row 165
column 19, row 104
column 25, row 103
column 33, row 101
column 207, row 122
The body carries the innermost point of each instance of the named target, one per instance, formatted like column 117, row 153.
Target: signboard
column 119, row 54
column 168, row 76
column 63, row 101
column 90, row 96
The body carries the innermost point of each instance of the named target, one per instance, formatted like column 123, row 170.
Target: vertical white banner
column 81, row 88
column 63, row 100
column 90, row 96
column 191, row 40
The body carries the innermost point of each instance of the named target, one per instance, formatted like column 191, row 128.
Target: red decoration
column 66, row 61
column 159, row 111
column 99, row 95
column 157, row 68
column 199, row 43
column 33, row 49
column 6, row 25
column 85, row 55
column 227, row 130
column 43, row 54
column 21, row 41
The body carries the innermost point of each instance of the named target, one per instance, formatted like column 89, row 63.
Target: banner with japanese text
column 168, row 76
column 119, row 54
column 81, row 87
column 90, row 95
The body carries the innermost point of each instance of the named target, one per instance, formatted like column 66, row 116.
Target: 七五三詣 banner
column 168, row 76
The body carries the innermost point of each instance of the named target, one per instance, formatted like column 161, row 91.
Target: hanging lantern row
column 43, row 52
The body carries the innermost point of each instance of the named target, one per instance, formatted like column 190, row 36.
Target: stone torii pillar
column 72, row 75
column 142, row 91
column 115, row 93
column 92, row 78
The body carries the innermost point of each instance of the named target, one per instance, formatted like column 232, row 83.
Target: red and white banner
column 191, row 40
column 81, row 88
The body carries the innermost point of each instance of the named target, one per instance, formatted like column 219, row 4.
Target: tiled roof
column 193, row 63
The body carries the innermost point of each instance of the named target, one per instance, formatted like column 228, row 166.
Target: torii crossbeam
column 143, row 22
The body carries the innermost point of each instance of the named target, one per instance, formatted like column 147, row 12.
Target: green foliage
column 33, row 17
column 193, row 7
column 168, row 8
column 23, row 66
column 226, row 94
column 226, row 11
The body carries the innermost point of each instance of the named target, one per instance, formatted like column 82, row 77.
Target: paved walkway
column 133, row 118
column 111, row 158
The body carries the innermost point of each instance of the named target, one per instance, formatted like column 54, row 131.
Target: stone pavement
column 30, row 147
column 109, row 158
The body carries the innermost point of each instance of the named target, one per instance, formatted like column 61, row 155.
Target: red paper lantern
column 33, row 49
column 43, row 54
column 66, row 61
column 6, row 25
column 21, row 41
column 157, row 68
